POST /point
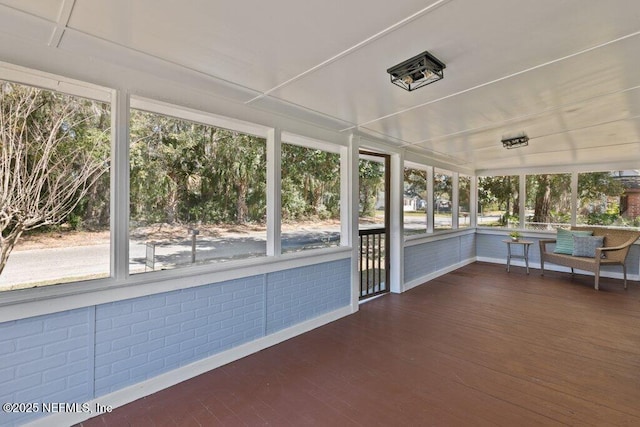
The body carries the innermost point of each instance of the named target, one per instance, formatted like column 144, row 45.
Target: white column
column 473, row 201
column 346, row 197
column 119, row 203
column 396, row 224
column 574, row 198
column 455, row 203
column 430, row 199
column 522, row 197
column 274, row 189
column 353, row 162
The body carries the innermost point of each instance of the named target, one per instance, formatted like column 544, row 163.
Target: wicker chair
column 616, row 247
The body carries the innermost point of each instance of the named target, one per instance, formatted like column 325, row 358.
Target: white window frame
column 120, row 284
column 316, row 144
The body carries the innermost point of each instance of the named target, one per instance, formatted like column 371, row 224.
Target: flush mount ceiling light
column 416, row 72
column 515, row 141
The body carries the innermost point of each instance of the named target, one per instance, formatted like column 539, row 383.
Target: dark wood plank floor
column 476, row 347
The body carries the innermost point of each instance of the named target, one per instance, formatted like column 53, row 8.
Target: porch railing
column 373, row 262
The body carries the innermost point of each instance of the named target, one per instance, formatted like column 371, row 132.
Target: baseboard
column 419, row 281
column 168, row 379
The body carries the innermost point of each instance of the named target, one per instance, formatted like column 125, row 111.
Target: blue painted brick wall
column 306, row 292
column 45, row 359
column 424, row 259
column 79, row 355
column 140, row 338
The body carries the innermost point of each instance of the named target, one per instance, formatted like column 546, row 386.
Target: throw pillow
column 564, row 240
column 586, row 245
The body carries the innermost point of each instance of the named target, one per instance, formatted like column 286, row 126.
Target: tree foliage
column 187, row 172
column 53, row 150
column 501, row 192
column 310, row 183
column 371, row 177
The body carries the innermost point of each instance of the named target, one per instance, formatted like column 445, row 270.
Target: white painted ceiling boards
column 565, row 72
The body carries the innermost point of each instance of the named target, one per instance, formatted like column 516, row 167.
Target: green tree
column 188, row 172
column 502, row 191
column 550, row 195
column 310, row 183
column 371, row 176
column 415, row 183
column 52, row 151
column 599, row 197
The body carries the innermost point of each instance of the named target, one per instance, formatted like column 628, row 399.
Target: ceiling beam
column 61, row 25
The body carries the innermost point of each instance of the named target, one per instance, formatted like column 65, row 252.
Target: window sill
column 437, row 235
column 31, row 302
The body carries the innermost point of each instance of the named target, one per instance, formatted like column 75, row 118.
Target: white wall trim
column 168, row 379
column 421, row 239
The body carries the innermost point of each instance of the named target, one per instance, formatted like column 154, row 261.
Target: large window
column 548, row 203
column 442, row 199
column 498, row 201
column 415, row 201
column 310, row 198
column 54, row 192
column 464, row 201
column 198, row 193
column 609, row 198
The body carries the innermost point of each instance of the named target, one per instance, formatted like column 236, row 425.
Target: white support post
column 430, row 199
column 574, row 198
column 274, row 188
column 119, row 203
column 353, row 177
column 455, row 202
column 522, row 197
column 346, row 197
column 396, row 232
column 473, row 201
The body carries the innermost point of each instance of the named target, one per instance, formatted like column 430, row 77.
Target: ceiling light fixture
column 515, row 141
column 416, row 72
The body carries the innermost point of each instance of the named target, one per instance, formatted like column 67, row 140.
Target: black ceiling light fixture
column 520, row 140
column 418, row 71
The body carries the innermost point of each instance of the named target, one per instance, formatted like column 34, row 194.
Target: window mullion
column 120, row 185
column 274, row 188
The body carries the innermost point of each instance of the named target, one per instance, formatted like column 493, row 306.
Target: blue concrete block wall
column 79, row 355
column 140, row 338
column 45, row 358
column 492, row 246
column 427, row 258
column 301, row 294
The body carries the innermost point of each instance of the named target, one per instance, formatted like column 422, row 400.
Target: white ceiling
column 565, row 72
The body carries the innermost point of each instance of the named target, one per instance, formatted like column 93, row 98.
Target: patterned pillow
column 564, row 240
column 586, row 245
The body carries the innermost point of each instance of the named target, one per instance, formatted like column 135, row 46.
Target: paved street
column 44, row 266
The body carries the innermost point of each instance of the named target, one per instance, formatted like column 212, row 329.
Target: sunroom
column 224, row 179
